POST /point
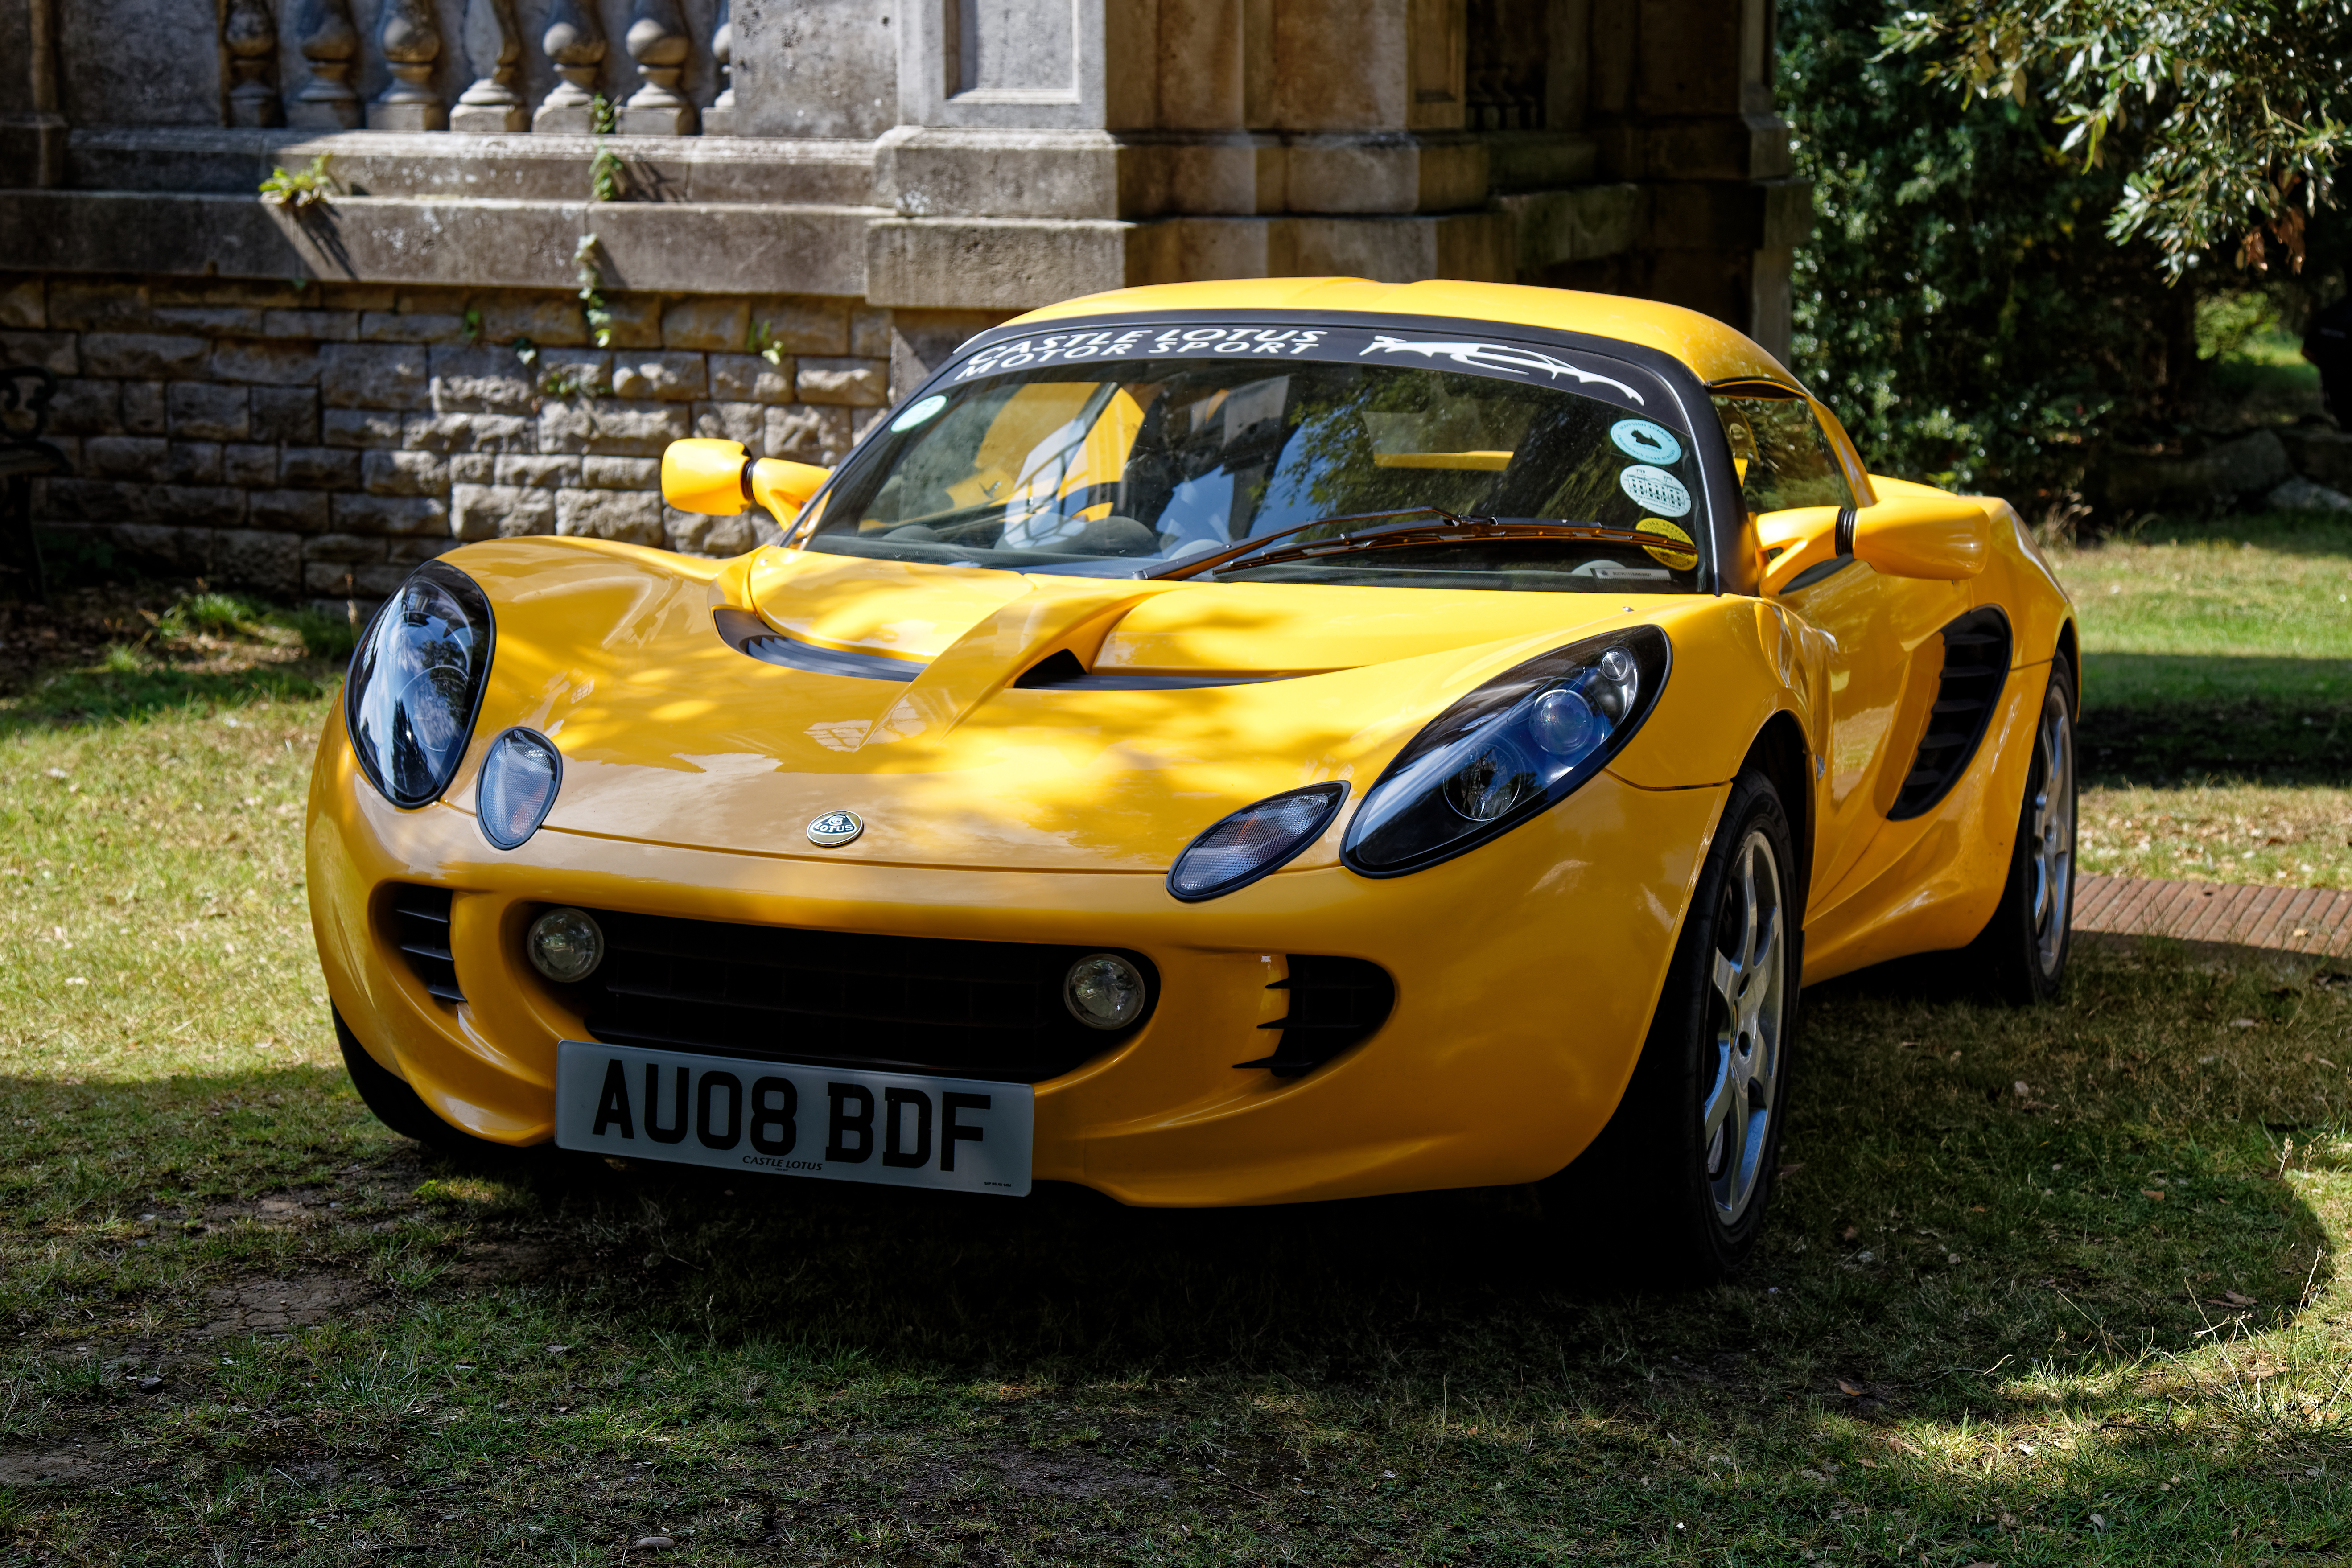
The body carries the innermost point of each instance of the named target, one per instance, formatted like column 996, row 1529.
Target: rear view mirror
column 719, row 479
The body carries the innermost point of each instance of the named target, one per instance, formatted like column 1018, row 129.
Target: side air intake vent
column 420, row 929
column 1976, row 663
column 1334, row 1003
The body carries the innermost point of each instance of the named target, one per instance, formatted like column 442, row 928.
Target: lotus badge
column 835, row 827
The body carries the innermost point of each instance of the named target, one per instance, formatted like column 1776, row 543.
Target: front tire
column 2025, row 944
column 399, row 1107
column 1678, row 1182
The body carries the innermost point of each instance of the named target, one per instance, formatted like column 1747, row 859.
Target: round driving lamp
column 565, row 945
column 1104, row 991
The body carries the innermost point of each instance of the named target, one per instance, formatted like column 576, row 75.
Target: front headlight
column 1517, row 745
column 415, row 681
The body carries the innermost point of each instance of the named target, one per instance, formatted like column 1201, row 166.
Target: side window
column 1783, row 458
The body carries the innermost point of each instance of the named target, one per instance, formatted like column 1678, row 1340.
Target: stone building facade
column 551, row 236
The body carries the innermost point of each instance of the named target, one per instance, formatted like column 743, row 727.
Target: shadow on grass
column 2162, row 717
column 108, row 696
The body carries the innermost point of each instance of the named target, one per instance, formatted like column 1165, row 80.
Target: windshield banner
column 1257, row 341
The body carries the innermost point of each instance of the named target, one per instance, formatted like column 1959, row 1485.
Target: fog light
column 565, row 945
column 518, row 784
column 1104, row 991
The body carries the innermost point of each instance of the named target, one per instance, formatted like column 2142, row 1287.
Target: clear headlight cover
column 1515, row 746
column 521, row 774
column 1254, row 842
column 415, row 682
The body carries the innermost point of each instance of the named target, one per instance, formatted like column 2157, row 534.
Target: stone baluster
column 411, row 41
column 328, row 41
column 574, row 42
column 657, row 41
column 718, row 120
column 251, row 34
column 493, row 50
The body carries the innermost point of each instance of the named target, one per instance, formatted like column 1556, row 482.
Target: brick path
column 2286, row 919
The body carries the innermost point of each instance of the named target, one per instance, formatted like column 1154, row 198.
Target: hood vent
column 748, row 633
column 1061, row 671
column 1976, row 666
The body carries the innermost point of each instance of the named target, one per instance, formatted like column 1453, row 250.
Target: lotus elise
column 1220, row 743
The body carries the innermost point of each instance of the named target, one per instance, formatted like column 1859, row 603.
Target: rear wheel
column 399, row 1107
column 1678, row 1181
column 2025, row 944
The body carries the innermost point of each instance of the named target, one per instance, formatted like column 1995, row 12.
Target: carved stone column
column 324, row 33
column 250, row 34
column 718, row 120
column 492, row 49
column 574, row 42
column 657, row 41
column 411, row 41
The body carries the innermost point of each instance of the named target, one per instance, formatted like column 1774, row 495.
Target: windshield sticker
column 1497, row 356
column 923, row 412
column 1136, row 343
column 1681, row 559
column 1511, row 361
column 1639, row 439
column 1656, row 489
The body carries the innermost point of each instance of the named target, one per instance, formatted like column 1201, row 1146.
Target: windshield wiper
column 1458, row 530
column 1199, row 564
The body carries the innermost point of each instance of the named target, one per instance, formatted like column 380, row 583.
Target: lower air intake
column 420, row 929
column 916, row 1004
column 1334, row 1003
column 1976, row 666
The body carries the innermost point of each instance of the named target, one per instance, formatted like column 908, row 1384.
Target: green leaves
column 2236, row 104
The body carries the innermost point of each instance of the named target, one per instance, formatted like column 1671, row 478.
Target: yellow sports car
column 1220, row 743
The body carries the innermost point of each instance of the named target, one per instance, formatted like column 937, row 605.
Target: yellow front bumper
column 1525, row 972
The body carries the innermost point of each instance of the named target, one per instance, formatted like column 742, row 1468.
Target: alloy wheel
column 1750, row 982
column 2053, row 846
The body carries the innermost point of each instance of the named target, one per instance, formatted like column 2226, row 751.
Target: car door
column 1882, row 634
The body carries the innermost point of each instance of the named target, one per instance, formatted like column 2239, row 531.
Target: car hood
column 672, row 734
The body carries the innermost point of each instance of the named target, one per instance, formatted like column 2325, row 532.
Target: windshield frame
column 1725, row 566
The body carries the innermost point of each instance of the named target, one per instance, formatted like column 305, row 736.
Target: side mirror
column 719, row 479
column 1929, row 535
column 1939, row 537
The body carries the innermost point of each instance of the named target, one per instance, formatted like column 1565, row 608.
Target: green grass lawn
column 2216, row 694
column 2046, row 1288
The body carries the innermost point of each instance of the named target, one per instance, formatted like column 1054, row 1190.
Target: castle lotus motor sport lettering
column 1224, row 743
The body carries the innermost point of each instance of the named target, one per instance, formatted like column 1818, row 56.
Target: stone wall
column 319, row 441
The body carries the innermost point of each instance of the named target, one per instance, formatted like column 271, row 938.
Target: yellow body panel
column 1527, row 971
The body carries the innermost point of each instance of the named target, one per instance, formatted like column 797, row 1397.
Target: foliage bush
column 1960, row 303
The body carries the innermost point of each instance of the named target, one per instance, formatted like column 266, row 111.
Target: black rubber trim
column 1846, row 519
column 745, row 479
column 748, row 633
column 1729, row 567
column 1819, row 571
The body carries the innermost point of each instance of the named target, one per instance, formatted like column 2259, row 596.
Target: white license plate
column 966, row 1134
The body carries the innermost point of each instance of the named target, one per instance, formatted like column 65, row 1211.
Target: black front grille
column 420, row 929
column 1976, row 663
column 891, row 1004
column 1334, row 1003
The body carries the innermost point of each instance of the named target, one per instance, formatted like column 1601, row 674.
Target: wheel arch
column 2070, row 649
column 1780, row 754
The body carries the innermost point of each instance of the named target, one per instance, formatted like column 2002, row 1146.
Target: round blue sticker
column 1645, row 442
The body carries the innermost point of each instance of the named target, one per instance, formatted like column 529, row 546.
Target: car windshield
column 1129, row 468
